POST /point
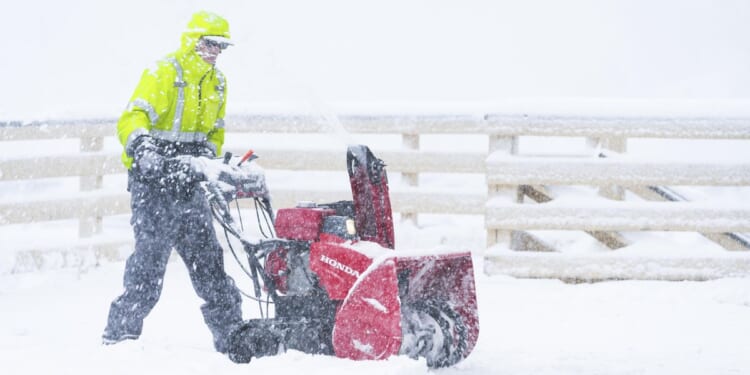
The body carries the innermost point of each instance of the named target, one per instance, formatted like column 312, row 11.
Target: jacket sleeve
column 149, row 102
column 216, row 135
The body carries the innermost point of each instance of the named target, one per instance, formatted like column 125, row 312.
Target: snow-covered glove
column 182, row 178
column 205, row 150
column 228, row 178
column 212, row 168
column 148, row 164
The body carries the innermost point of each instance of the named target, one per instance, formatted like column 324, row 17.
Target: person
column 176, row 112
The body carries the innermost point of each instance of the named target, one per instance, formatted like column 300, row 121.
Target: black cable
column 266, row 216
column 220, row 214
column 234, row 253
column 256, row 283
column 242, row 266
column 239, row 214
column 268, row 220
column 253, row 298
column 257, row 217
column 227, row 230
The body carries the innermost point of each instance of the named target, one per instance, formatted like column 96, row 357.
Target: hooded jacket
column 182, row 98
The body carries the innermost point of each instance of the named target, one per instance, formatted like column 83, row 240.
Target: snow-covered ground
column 82, row 58
column 51, row 323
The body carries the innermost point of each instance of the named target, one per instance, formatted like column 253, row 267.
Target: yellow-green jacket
column 182, row 98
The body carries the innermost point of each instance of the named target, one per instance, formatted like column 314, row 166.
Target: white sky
column 82, row 58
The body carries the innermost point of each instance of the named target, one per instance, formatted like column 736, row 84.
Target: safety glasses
column 213, row 43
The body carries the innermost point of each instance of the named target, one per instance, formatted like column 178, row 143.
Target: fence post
column 90, row 223
column 410, row 142
column 618, row 145
column 510, row 146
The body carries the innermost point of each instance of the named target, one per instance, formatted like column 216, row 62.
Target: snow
column 81, row 59
column 52, row 322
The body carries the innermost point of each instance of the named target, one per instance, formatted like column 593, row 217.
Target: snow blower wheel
column 433, row 331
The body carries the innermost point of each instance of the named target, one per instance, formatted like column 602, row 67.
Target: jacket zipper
column 200, row 93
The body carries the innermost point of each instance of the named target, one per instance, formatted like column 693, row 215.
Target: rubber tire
column 455, row 334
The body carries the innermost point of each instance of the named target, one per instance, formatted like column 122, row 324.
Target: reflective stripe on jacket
column 181, row 99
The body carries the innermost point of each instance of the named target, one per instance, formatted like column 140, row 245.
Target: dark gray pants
column 161, row 222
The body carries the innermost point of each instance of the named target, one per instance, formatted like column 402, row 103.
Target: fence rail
column 619, row 216
column 93, row 203
column 619, row 127
column 519, row 170
column 510, row 174
column 511, row 177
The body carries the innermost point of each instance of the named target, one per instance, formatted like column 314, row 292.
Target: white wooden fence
column 92, row 204
column 509, row 175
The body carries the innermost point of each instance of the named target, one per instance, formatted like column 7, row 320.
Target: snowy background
column 81, row 59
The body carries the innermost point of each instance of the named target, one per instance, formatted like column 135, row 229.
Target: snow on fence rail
column 511, row 177
column 508, row 174
column 91, row 204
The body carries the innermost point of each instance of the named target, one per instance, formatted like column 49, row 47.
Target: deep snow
column 81, row 59
column 51, row 322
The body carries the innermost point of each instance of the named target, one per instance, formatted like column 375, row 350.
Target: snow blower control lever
column 249, row 155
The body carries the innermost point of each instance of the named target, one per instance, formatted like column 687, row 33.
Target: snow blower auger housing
column 336, row 284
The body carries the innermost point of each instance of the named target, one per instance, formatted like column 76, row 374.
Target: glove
column 181, row 177
column 206, row 151
column 183, row 168
column 148, row 164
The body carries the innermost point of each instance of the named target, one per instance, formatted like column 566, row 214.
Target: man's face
column 208, row 50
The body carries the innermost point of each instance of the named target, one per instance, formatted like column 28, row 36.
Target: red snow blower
column 328, row 280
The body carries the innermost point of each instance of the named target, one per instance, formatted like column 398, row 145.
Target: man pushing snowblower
column 175, row 113
column 332, row 272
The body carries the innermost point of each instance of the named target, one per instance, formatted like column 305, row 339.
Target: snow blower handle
column 249, row 155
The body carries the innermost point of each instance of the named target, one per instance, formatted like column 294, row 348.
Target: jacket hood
column 203, row 23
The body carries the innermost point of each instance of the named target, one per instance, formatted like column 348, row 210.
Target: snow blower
column 329, row 280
